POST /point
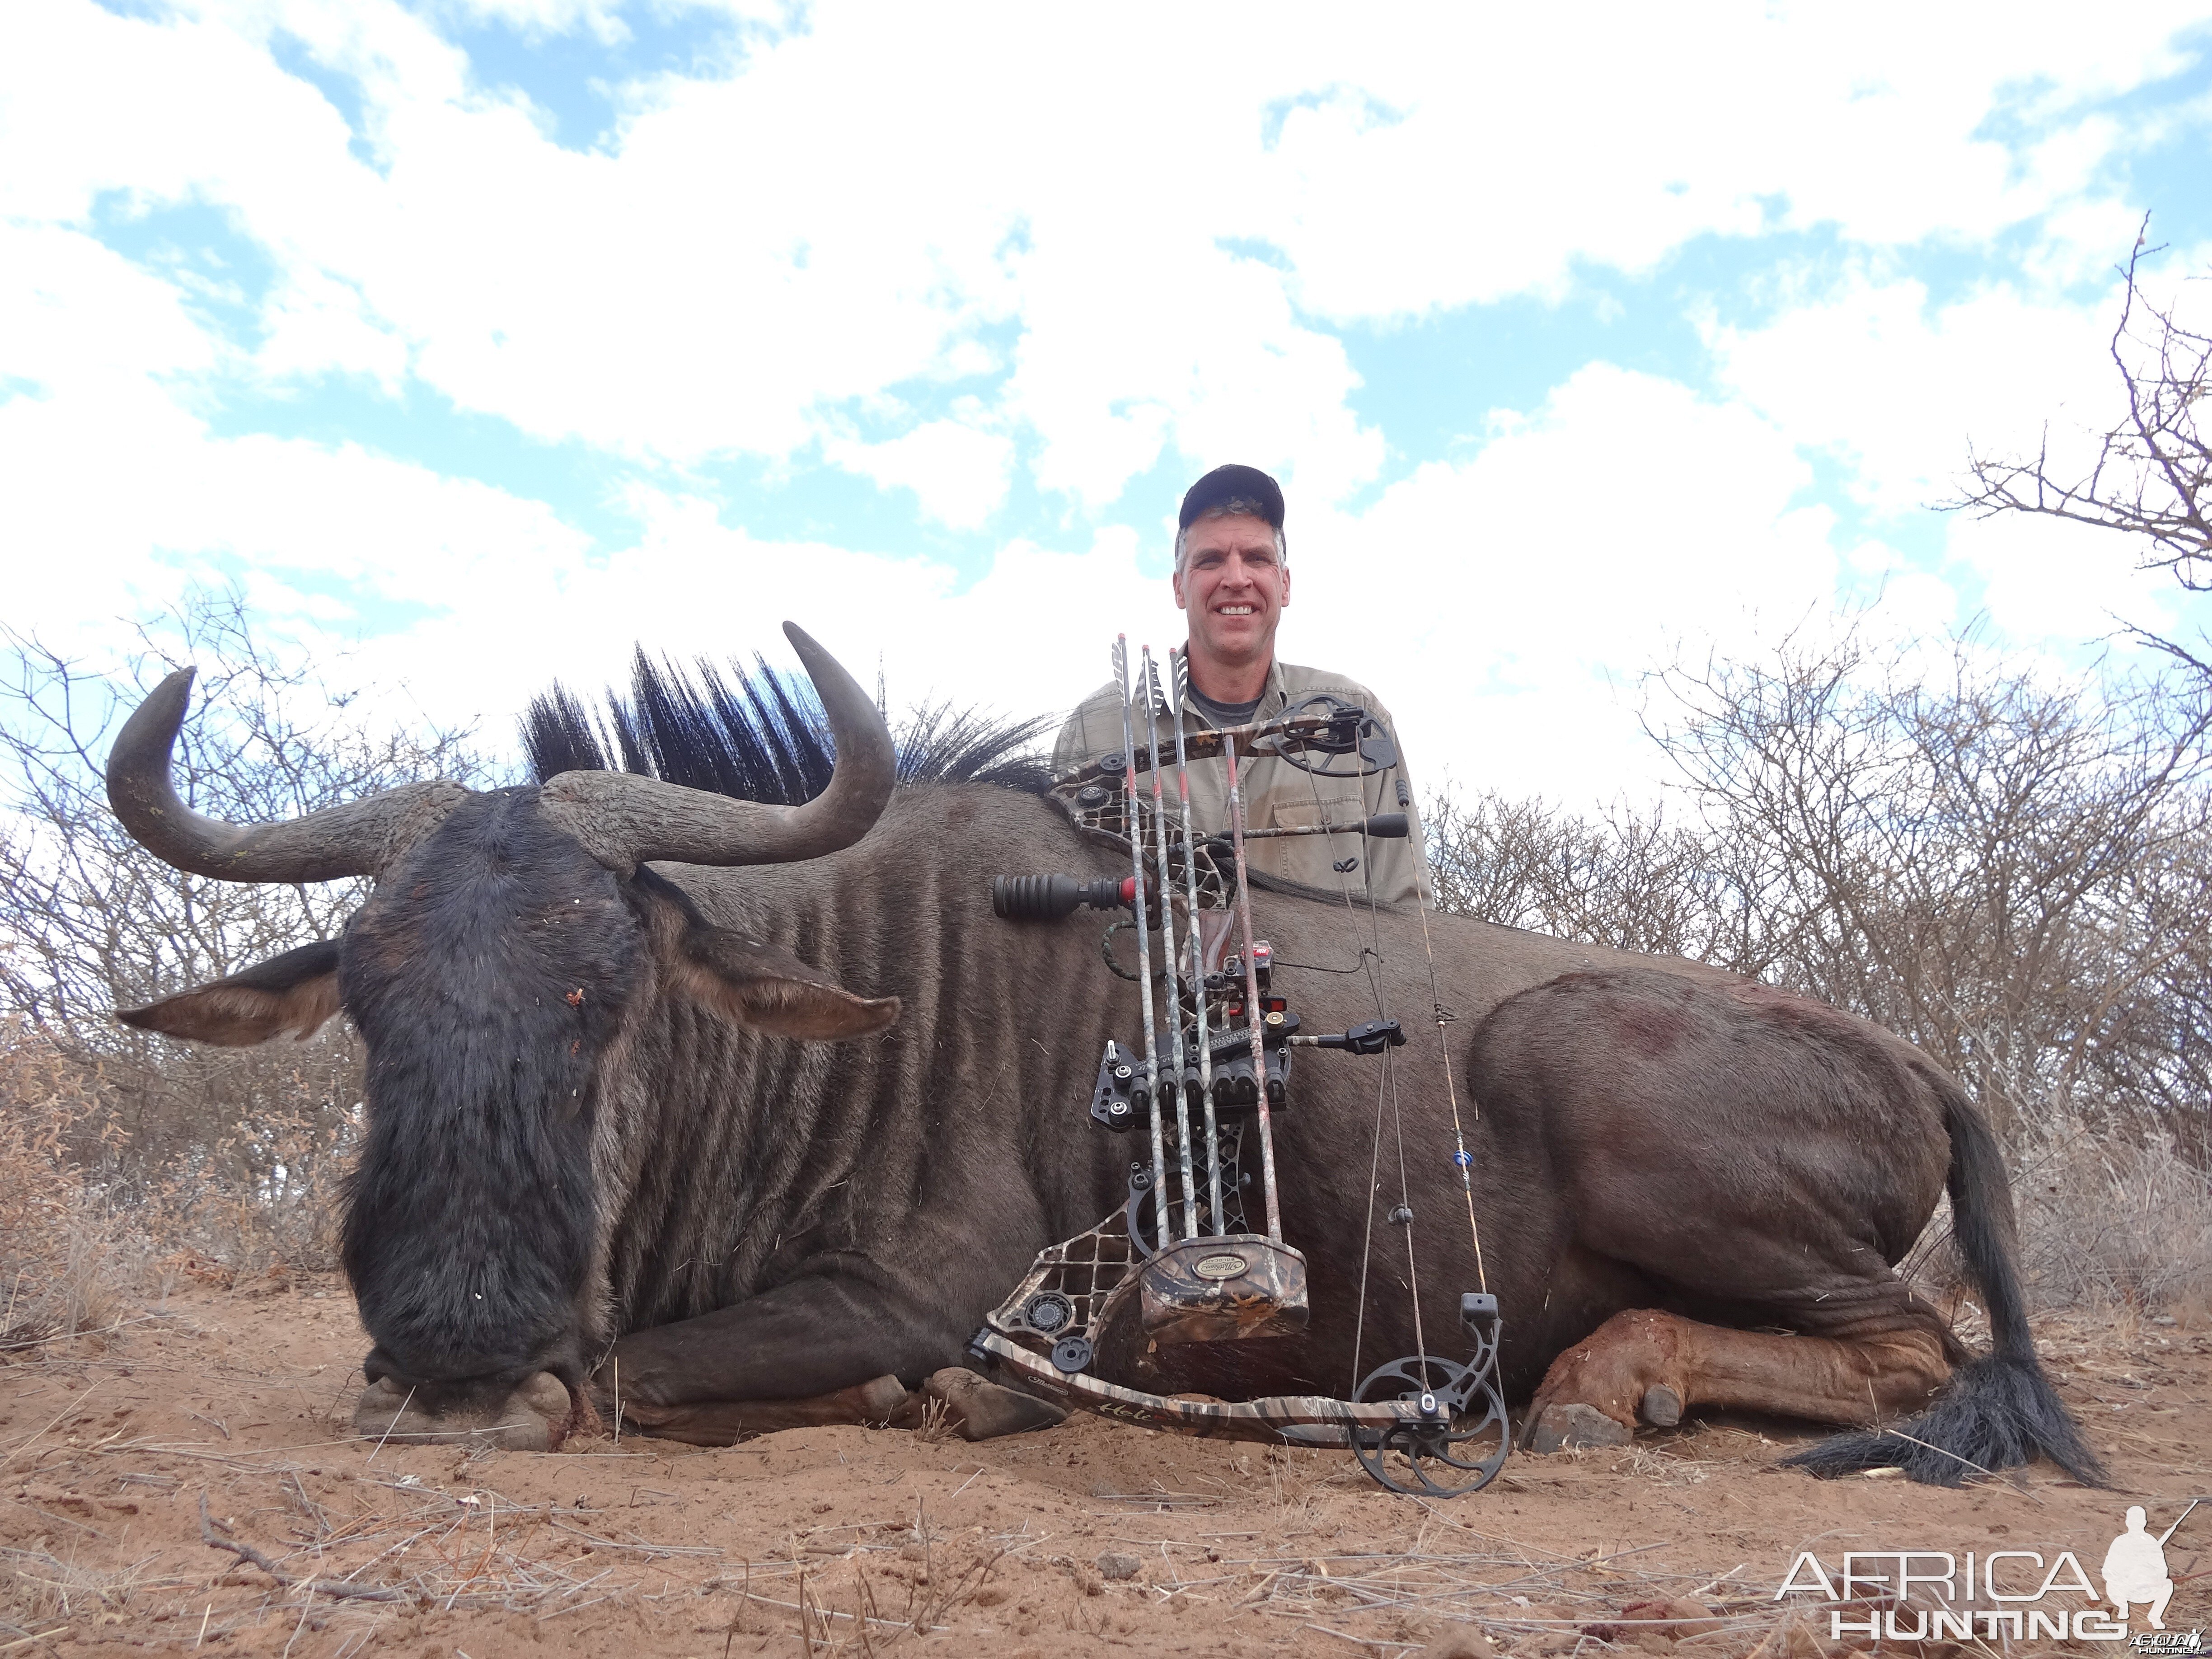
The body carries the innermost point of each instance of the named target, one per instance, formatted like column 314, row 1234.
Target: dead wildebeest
column 749, row 1112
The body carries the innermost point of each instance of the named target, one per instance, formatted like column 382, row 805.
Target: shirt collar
column 1273, row 696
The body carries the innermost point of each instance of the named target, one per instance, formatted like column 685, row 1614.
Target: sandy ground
column 852, row 1540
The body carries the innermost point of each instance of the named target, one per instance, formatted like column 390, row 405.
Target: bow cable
column 1462, row 1160
column 1386, row 1089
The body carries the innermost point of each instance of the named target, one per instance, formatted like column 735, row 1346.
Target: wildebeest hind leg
column 1648, row 1366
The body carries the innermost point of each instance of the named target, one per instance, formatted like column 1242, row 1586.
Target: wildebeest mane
column 758, row 735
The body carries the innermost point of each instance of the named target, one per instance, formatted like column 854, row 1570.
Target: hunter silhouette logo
column 2134, row 1568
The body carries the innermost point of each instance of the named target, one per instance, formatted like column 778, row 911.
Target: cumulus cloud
column 1503, row 605
column 958, row 475
column 880, row 242
column 1899, row 386
column 864, row 199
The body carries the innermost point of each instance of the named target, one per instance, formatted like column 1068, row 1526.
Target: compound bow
column 1179, row 1260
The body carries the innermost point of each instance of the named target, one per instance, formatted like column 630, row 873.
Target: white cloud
column 1503, row 605
column 317, row 326
column 892, row 219
column 1482, row 153
column 1899, row 387
column 117, row 494
column 958, row 475
column 1019, row 640
column 862, row 200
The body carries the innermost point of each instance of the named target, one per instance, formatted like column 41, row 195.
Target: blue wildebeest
column 752, row 1111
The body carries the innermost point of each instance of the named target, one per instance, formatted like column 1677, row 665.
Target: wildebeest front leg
column 1648, row 1366
column 816, row 1350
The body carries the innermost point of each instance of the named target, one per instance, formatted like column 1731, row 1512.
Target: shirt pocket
column 1303, row 811
column 1309, row 859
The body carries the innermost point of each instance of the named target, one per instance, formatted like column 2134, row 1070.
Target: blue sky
column 490, row 336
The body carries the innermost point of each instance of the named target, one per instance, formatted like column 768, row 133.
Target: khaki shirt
column 1276, row 793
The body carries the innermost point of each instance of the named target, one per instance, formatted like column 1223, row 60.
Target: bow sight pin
column 1140, row 1282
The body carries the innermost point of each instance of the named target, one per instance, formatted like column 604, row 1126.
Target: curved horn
column 352, row 839
column 625, row 820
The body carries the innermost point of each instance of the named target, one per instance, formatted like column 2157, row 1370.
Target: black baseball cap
column 1233, row 484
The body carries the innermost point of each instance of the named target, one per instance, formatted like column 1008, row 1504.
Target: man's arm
column 1395, row 866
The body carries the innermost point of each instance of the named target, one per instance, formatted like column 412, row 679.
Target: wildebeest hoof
column 1567, row 1428
column 533, row 1417
column 1661, row 1406
column 983, row 1410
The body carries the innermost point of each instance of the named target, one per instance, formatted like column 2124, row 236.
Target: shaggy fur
column 486, row 976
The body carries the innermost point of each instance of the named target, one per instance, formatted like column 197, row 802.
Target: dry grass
column 2107, row 1222
column 81, row 1247
column 2102, row 1224
column 59, row 1253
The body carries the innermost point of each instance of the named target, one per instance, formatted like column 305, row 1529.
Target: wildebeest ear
column 296, row 992
column 771, row 990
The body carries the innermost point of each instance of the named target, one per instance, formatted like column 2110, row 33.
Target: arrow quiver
column 1196, row 1252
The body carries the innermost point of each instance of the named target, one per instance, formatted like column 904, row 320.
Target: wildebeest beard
column 487, row 976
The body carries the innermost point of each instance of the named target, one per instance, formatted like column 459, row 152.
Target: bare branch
column 2151, row 476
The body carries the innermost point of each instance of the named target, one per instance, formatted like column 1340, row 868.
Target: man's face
column 1234, row 586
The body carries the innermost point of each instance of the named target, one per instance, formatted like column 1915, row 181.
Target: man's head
column 1231, row 574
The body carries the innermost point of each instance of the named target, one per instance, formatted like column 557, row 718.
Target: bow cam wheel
column 1456, row 1444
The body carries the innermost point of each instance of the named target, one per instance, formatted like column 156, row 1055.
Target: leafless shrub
column 2010, row 872
column 1625, row 878
column 235, row 1153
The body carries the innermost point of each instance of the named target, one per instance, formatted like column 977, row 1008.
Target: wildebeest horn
column 626, row 820
column 355, row 839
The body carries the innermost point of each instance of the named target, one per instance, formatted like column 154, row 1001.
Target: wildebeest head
column 489, row 973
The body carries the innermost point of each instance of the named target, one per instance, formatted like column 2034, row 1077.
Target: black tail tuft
column 2001, row 1410
column 1995, row 1414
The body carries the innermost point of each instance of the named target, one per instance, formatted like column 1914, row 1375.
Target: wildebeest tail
column 2000, row 1410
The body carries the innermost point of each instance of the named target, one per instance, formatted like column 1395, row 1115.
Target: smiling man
column 1232, row 578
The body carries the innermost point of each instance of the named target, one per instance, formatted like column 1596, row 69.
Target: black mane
column 758, row 736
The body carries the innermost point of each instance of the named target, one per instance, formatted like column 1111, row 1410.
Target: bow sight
column 1183, row 1259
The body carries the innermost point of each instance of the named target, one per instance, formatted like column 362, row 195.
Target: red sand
column 109, row 1444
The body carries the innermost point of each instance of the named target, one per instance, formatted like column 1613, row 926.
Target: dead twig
column 343, row 1588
